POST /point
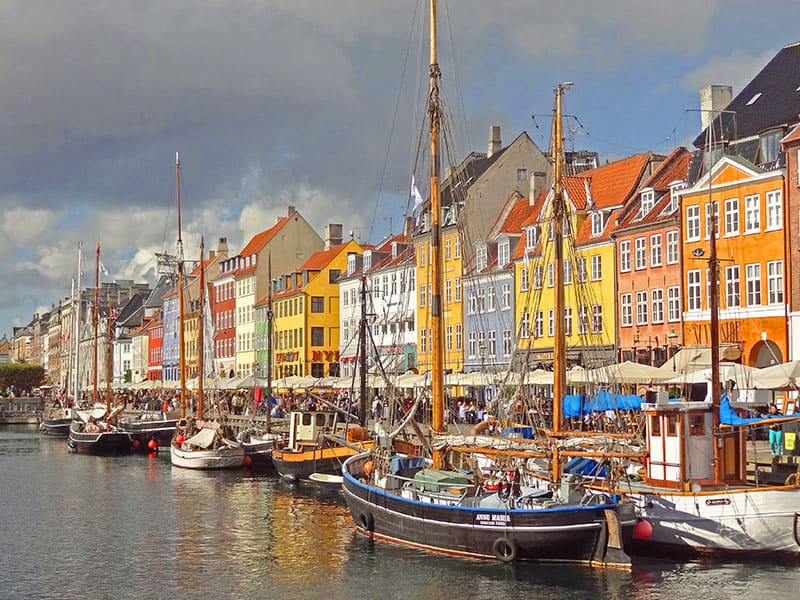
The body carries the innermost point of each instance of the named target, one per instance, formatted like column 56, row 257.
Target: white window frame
column 731, row 217
column 753, row 283
column 673, row 254
column 752, row 214
column 625, row 256
column 774, row 220
column 673, row 303
column 692, row 223
column 775, row 282
column 693, row 290
column 626, row 310
column 656, row 255
column 642, row 305
column 733, row 286
column 657, row 305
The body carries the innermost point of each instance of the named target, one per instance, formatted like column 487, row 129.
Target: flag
column 103, row 269
column 589, row 199
column 415, row 194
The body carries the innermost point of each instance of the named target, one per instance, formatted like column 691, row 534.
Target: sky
column 317, row 104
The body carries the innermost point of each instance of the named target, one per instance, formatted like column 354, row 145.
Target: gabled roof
column 770, row 100
column 792, row 136
column 156, row 297
column 258, row 242
column 321, row 258
column 609, row 185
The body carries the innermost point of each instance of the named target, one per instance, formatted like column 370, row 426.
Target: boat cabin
column 308, row 427
column 680, row 440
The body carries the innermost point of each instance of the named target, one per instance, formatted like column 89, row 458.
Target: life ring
column 366, row 522
column 505, row 549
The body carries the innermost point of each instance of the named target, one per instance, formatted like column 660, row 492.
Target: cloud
column 736, row 69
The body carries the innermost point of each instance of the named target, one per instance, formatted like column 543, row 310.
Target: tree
column 21, row 376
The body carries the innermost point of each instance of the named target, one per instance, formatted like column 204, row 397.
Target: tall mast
column 200, row 325
column 437, row 362
column 181, row 349
column 558, row 215
column 270, row 333
column 109, row 366
column 95, row 319
column 362, row 351
column 77, row 320
column 713, row 307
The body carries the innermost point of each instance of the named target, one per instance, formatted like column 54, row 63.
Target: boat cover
column 575, row 405
column 436, row 480
column 398, row 464
column 202, row 439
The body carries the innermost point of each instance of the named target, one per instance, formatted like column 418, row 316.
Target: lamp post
column 672, row 337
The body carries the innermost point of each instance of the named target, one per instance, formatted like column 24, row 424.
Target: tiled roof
column 609, row 185
column 777, row 105
column 792, row 136
column 257, row 243
column 321, row 258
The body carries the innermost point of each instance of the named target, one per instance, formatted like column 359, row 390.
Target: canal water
column 75, row 526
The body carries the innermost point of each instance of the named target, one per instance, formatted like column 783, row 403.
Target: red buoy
column 247, row 461
column 179, row 439
column 642, row 530
column 152, row 444
column 135, row 444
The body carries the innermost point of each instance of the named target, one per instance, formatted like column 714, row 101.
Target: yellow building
column 594, row 200
column 452, row 311
column 306, row 314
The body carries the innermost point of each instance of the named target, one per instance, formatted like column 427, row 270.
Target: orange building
column 747, row 205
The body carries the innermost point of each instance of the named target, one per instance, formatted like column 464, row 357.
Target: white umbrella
column 626, row 372
column 743, row 375
column 778, row 377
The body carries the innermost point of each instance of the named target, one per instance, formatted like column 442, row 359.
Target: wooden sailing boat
column 432, row 505
column 95, row 431
column 199, row 444
column 695, row 496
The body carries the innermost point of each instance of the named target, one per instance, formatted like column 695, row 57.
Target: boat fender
column 366, row 522
column 505, row 549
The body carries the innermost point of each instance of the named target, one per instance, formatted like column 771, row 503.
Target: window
column 551, row 324
column 447, row 249
column 752, row 214
column 774, row 210
column 712, row 217
column 775, row 282
column 732, row 216
column 531, row 237
column 657, row 306
column 648, row 199
column 421, row 259
column 693, row 289
column 538, row 324
column 472, row 344
column 769, row 146
column 456, row 247
column 732, row 289
column 625, row 256
column 458, row 337
column 491, row 345
column 692, row 223
column 583, row 319
column 537, row 277
column 597, row 318
column 448, row 291
column 423, row 347
column 674, row 303
column 317, row 336
column 753, row 276
column 525, row 325
column 423, row 295
column 567, row 320
column 672, row 247
column 472, row 304
column 507, row 342
column 655, row 250
column 481, row 256
column 641, row 308
column 506, row 296
column 581, row 268
column 481, row 299
column 522, row 174
column 551, row 274
column 641, row 253
column 503, row 253
column 567, row 272
column 317, row 304
column 597, row 267
column 457, row 284
column 523, row 279
column 674, row 196
column 597, row 223
column 492, row 298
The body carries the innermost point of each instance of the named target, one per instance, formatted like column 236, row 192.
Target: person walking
column 774, row 432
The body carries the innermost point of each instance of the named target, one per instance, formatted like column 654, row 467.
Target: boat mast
column 181, row 349
column 77, row 327
column 270, row 333
column 437, row 363
column 200, row 325
column 713, row 307
column 558, row 215
column 95, row 319
column 362, row 352
column 109, row 366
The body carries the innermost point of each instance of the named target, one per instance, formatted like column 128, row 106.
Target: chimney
column 333, row 235
column 222, row 247
column 538, row 180
column 291, row 210
column 713, row 98
column 495, row 142
column 408, row 227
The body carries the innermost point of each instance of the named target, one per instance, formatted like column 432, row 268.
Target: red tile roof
column 609, row 185
column 257, row 243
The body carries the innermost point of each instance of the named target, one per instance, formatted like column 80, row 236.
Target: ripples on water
column 134, row 527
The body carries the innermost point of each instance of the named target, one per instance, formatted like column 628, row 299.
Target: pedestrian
column 774, row 431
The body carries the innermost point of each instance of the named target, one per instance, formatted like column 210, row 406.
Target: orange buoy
column 642, row 530
column 152, row 444
column 247, row 461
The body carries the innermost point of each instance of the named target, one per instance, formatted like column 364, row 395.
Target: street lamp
column 672, row 337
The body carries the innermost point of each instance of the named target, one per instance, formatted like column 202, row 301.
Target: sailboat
column 431, row 504
column 95, row 431
column 199, row 444
column 694, row 496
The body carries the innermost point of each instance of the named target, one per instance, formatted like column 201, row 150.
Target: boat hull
column 56, row 427
column 216, row 458
column 587, row 534
column 300, row 465
column 746, row 524
column 102, row 442
column 142, row 432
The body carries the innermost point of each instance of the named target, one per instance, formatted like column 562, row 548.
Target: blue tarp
column 401, row 463
column 584, row 466
column 577, row 406
column 523, row 432
column 728, row 416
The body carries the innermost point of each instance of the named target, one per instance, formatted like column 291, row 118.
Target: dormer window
column 598, row 223
column 675, row 196
column 351, row 264
column 254, row 260
column 367, row 260
column 769, row 146
column 531, row 237
column 503, row 253
column 481, row 257
column 246, row 261
column 647, row 200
